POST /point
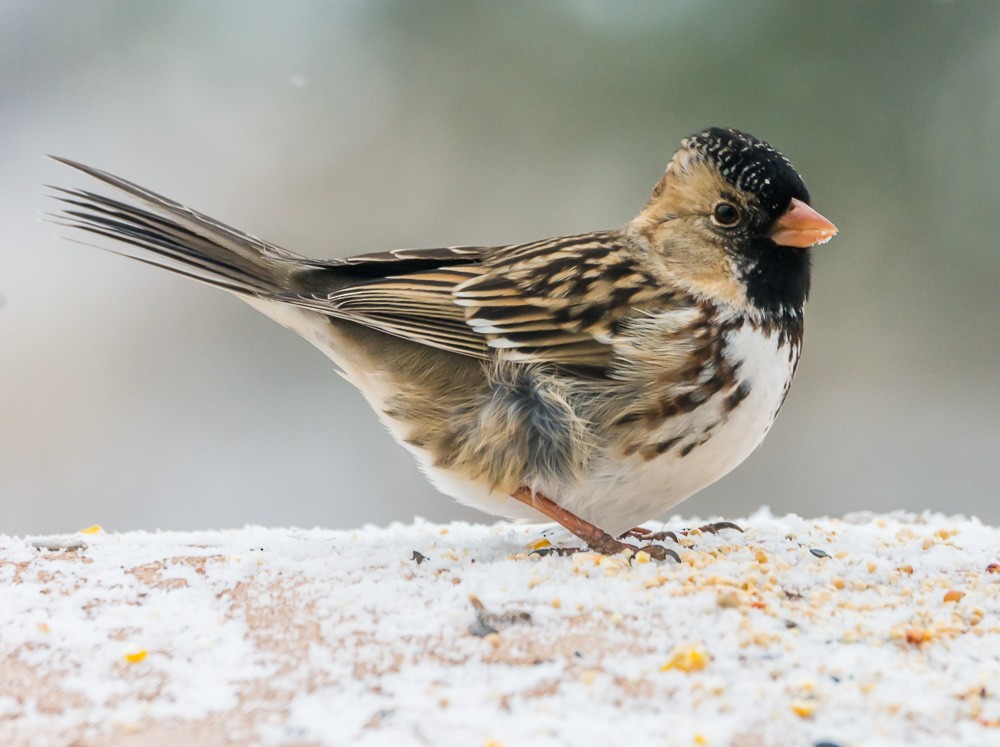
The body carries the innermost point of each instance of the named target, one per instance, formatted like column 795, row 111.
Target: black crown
column 751, row 165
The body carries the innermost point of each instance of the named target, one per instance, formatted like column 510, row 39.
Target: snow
column 293, row 637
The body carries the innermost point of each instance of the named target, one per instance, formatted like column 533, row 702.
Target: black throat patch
column 776, row 277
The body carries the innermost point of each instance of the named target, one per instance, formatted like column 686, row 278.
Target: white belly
column 622, row 492
column 619, row 492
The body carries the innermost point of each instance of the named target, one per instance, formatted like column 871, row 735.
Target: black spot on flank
column 665, row 446
column 688, row 449
column 741, row 393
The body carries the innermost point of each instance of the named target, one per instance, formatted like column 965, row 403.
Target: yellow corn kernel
column 686, row 659
column 803, row 710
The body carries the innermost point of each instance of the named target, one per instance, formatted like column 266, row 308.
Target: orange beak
column 801, row 227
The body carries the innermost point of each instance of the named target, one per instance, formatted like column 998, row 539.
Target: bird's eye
column 726, row 214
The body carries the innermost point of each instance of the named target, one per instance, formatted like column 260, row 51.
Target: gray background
column 136, row 399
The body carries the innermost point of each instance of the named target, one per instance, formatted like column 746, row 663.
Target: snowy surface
column 871, row 630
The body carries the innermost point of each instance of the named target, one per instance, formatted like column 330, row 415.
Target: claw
column 648, row 535
column 659, row 552
column 639, row 533
column 611, row 546
column 660, row 536
column 716, row 526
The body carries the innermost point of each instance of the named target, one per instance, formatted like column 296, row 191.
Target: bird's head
column 731, row 219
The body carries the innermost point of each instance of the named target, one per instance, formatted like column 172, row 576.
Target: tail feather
column 176, row 238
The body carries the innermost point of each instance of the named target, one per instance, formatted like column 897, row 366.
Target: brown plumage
column 595, row 379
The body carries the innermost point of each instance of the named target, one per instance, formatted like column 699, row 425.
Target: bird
column 594, row 380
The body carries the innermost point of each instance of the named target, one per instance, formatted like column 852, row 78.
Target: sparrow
column 594, row 380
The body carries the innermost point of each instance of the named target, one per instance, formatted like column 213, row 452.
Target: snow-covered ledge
column 872, row 630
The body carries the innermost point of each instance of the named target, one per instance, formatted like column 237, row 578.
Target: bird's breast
column 690, row 438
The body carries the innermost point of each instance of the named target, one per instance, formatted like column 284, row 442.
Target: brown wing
column 556, row 301
column 560, row 300
column 418, row 306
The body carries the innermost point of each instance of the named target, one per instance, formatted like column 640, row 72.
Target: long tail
column 174, row 237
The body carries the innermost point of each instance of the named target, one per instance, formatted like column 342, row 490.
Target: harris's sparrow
column 596, row 380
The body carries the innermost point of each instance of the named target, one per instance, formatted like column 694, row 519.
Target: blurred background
column 136, row 399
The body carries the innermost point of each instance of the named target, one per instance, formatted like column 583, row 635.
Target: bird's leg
column 596, row 538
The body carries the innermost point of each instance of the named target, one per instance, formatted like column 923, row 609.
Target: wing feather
column 557, row 301
column 417, row 307
column 560, row 300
